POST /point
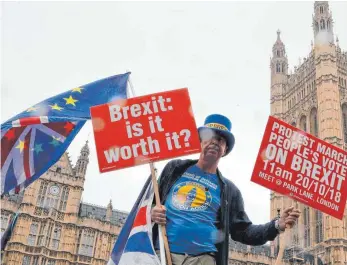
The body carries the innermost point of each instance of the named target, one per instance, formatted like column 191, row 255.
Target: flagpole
column 163, row 242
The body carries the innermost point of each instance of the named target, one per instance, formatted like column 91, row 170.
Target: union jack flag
column 134, row 245
column 34, row 140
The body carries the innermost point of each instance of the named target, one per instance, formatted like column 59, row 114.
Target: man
column 201, row 208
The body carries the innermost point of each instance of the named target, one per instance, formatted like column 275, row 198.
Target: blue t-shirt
column 191, row 210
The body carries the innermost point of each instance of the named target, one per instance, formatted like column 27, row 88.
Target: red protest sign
column 302, row 166
column 135, row 131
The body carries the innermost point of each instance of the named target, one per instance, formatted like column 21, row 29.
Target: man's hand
column 289, row 217
column 158, row 215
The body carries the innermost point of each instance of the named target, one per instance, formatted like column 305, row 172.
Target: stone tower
column 82, row 162
column 313, row 98
column 279, row 72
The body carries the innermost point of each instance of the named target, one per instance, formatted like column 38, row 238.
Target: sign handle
column 281, row 246
column 162, row 229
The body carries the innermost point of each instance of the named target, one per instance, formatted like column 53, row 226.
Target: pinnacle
column 278, row 41
column 85, row 148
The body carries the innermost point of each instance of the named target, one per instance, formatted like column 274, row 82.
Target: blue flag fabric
column 34, row 140
column 134, row 245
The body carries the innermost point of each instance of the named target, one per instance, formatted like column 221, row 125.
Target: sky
column 219, row 50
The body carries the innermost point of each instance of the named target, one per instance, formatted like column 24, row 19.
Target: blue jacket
column 233, row 219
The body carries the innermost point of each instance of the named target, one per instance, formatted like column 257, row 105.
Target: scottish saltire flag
column 134, row 244
column 35, row 139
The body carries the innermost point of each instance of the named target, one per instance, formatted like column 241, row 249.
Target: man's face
column 213, row 145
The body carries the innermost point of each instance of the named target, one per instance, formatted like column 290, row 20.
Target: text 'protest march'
column 144, row 129
column 295, row 163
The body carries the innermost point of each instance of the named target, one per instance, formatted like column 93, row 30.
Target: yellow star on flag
column 21, row 146
column 70, row 100
column 32, row 109
column 77, row 89
column 56, row 107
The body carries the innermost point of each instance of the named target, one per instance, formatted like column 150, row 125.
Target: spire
column 279, row 62
column 109, row 211
column 322, row 23
column 83, row 160
column 85, row 148
column 278, row 49
column 278, row 36
column 110, row 204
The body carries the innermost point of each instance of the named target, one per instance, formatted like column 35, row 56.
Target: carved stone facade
column 313, row 98
column 54, row 227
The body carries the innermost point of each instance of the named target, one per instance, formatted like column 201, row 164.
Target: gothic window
column 56, row 237
column 64, row 197
column 51, row 262
column 26, row 260
column 322, row 24
column 278, row 53
column 58, row 170
column 45, row 235
column 35, row 260
column 33, row 233
column 42, row 193
column 42, row 235
column 321, row 9
column 303, row 125
column 4, row 222
column 328, row 24
column 87, row 243
column 344, row 121
column 307, row 224
column 283, row 67
column 48, row 234
column 50, row 195
column 278, row 67
column 319, row 226
column 314, row 122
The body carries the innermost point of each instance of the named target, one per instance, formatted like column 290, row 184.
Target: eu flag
column 34, row 140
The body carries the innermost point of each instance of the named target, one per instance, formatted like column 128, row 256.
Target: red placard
column 302, row 166
column 139, row 130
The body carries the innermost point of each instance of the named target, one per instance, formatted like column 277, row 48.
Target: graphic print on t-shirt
column 191, row 196
column 191, row 212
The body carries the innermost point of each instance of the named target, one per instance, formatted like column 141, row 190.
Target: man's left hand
column 288, row 218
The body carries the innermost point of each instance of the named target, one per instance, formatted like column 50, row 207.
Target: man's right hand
column 158, row 214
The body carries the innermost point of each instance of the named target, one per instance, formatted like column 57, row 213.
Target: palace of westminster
column 55, row 227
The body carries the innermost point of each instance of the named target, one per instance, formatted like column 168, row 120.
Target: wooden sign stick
column 281, row 246
column 158, row 203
